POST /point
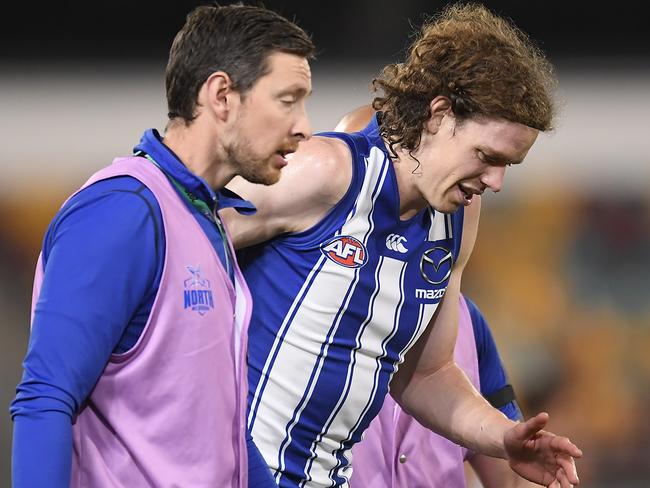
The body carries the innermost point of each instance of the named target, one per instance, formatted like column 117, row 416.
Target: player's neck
column 410, row 199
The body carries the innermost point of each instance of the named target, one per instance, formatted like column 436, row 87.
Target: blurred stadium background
column 562, row 263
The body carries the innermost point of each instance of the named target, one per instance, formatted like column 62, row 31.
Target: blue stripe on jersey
column 324, row 352
column 274, row 350
column 310, row 385
column 457, row 229
column 364, row 420
column 353, row 360
column 414, row 336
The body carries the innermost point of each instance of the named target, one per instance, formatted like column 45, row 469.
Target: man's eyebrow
column 295, row 90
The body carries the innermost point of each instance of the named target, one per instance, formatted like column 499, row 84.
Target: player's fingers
column 563, row 444
column 533, row 425
column 555, row 484
column 568, row 466
column 562, row 478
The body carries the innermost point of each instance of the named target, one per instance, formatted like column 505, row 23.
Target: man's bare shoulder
column 325, row 167
column 324, row 153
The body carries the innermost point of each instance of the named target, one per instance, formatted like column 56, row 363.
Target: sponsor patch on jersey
column 347, row 251
column 424, row 294
column 197, row 295
column 436, row 264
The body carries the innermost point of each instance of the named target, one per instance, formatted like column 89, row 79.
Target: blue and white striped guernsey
column 335, row 309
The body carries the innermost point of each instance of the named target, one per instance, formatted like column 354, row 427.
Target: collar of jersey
column 372, row 131
column 152, row 145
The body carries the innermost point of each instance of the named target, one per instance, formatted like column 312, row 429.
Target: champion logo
column 197, row 295
column 347, row 251
column 395, row 242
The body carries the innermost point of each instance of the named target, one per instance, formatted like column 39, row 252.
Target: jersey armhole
column 457, row 219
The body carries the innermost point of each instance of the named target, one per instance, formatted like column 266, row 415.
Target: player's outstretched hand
column 540, row 456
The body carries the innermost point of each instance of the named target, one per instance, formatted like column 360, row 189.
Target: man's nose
column 302, row 129
column 493, row 176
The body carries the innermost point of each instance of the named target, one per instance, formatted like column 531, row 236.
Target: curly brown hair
column 484, row 64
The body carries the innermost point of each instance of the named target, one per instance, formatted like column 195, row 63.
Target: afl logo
column 347, row 251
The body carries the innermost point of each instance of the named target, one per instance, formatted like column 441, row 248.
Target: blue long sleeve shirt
column 492, row 374
column 103, row 257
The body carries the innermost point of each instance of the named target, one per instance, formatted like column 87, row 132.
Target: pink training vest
column 171, row 411
column 397, row 452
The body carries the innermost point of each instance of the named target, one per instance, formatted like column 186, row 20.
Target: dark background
column 141, row 30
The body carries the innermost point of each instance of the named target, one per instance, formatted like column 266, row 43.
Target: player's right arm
column 493, row 472
column 100, row 260
column 316, row 178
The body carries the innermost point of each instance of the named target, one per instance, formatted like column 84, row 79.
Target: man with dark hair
column 136, row 372
column 369, row 231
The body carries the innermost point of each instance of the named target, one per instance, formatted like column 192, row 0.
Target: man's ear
column 439, row 106
column 218, row 95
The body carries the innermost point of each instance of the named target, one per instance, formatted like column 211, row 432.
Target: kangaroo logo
column 197, row 295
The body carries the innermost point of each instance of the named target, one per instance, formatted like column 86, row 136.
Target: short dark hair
column 483, row 63
column 235, row 39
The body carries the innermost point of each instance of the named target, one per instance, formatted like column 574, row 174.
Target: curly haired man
column 355, row 259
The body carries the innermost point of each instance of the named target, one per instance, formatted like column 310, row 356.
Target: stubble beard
column 249, row 166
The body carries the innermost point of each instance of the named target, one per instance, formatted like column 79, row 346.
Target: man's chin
column 267, row 179
column 271, row 179
column 446, row 207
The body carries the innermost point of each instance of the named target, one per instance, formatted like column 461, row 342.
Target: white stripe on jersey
column 297, row 354
column 310, row 391
column 276, row 342
column 363, row 378
column 438, row 229
column 426, row 313
column 450, row 227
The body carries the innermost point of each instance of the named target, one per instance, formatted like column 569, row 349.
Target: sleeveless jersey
column 335, row 310
column 171, row 410
column 399, row 452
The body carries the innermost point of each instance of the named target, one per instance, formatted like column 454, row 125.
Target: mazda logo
column 435, row 265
